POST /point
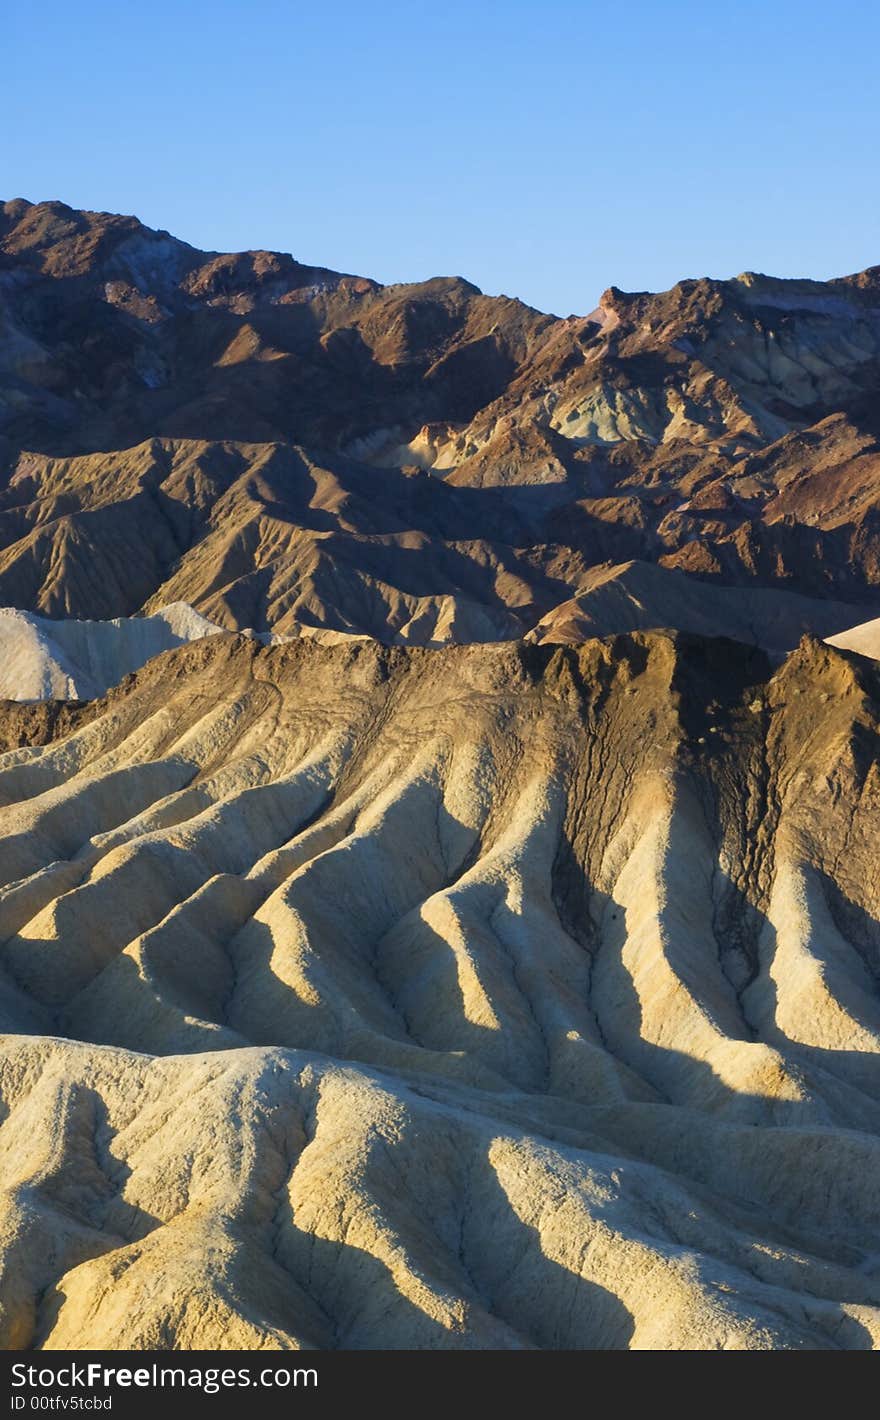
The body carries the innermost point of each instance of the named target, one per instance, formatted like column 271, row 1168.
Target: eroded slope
column 499, row 995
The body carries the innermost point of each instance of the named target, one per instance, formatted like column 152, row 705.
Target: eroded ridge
column 497, row 996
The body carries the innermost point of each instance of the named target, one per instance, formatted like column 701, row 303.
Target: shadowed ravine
column 495, row 996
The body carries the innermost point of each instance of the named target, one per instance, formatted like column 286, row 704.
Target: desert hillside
column 438, row 807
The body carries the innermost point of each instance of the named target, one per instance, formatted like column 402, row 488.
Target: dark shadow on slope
column 470, row 1260
column 556, row 1307
column 716, row 965
column 79, row 1205
column 727, row 797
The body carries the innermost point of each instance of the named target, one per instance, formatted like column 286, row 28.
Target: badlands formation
column 80, row 660
column 483, row 950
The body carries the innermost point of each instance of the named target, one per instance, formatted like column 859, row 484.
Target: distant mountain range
column 284, row 447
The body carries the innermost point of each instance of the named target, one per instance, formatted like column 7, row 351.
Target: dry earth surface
column 438, row 807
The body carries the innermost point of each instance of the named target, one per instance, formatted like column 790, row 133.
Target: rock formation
column 483, row 950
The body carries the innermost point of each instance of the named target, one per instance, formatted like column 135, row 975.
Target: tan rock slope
column 494, row 996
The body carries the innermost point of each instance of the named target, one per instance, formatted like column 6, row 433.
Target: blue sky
column 541, row 150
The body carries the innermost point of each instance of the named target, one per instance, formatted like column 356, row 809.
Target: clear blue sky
column 544, row 150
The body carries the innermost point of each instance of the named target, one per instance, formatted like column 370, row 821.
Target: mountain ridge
column 307, row 435
column 468, row 936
